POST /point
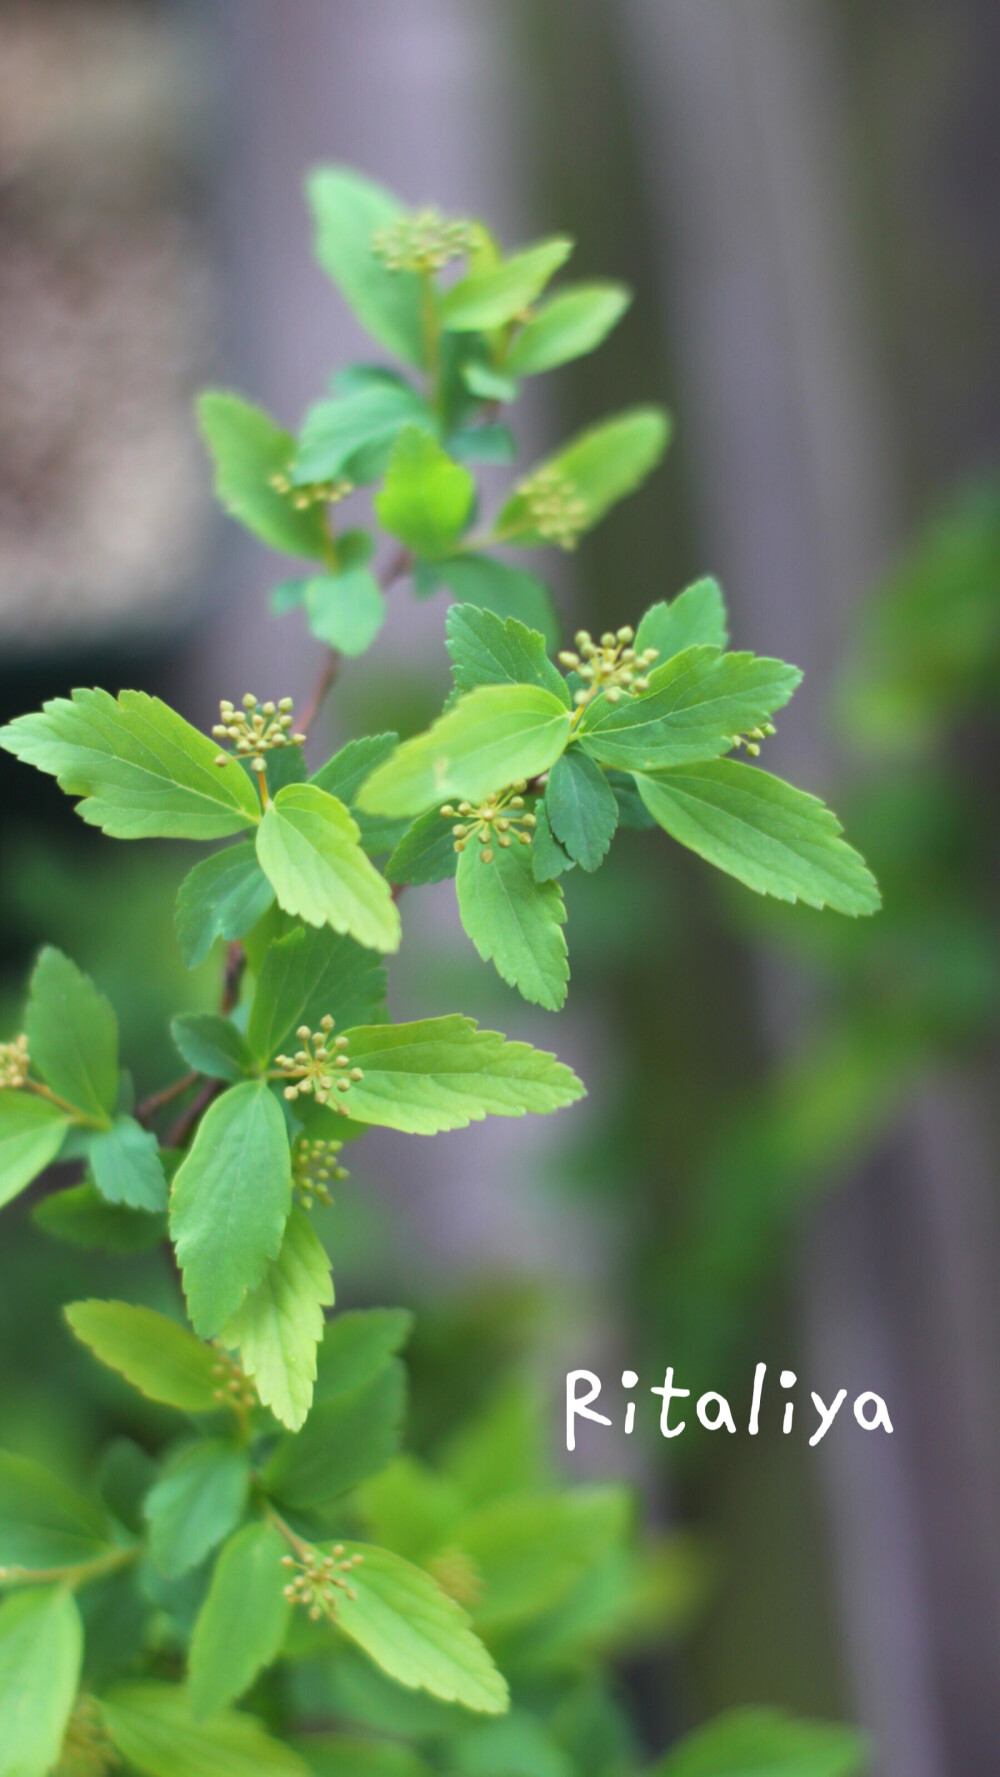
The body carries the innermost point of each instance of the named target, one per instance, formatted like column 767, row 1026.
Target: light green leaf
column 427, row 499
column 488, row 650
column 696, row 706
column 307, row 976
column 489, row 384
column 230, row 1202
column 248, row 449
column 160, row 1358
column 515, row 922
column 695, row 618
column 409, row 1508
column 199, row 1499
column 243, row 1620
column 491, row 737
column 530, row 1549
column 212, row 1045
column 280, row 1324
column 548, row 858
column 444, row 1073
column 41, row 1653
column 81, row 1216
column 349, row 212
column 44, row 1524
column 222, row 897
column 493, row 296
column 504, row 1449
column 573, row 322
column 777, row 840
column 72, row 1036
column 346, row 610
column 125, row 1161
column 519, row 1742
column 308, row 846
column 353, row 437
column 581, row 807
column 426, row 852
column 599, row 468
column 350, row 1434
column 154, row 1729
column 476, row 579
column 765, row 1743
column 31, row 1133
column 144, row 772
column 416, row 1633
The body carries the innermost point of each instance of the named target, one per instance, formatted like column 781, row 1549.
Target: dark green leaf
column 426, row 852
column 44, row 1524
column 483, row 444
column 212, row 1045
column 570, row 324
column 427, row 499
column 198, row 1500
column 349, row 212
column 248, row 450
column 496, row 586
column 515, row 922
column 632, row 811
column 581, row 807
column 308, row 976
column 81, row 1216
column 222, row 897
column 243, row 1620
column 357, row 1346
column 125, row 1161
column 695, row 618
column 344, row 774
column 349, row 1435
column 488, row 650
column 548, row 858
column 73, row 1036
column 765, row 1743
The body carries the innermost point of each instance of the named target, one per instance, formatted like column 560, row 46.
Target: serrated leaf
column 777, row 840
column 416, row 1633
column 162, row 1359
column 426, row 852
column 72, row 1036
column 491, row 737
column 125, row 1161
column 549, row 859
column 222, row 897
column 242, row 1622
column 198, row 1500
column 280, row 1324
column 600, row 467
column 212, row 1045
column 570, row 324
column 765, row 1743
column 353, row 437
column 44, row 1524
column 308, row 846
column 444, row 1073
column 515, row 922
column 696, row 705
column 350, row 1434
column 41, row 1653
column 491, row 297
column 230, row 1202
column 476, row 579
column 248, row 449
column 144, row 772
column 345, row 610
column 349, row 212
column 488, row 650
column 581, row 807
column 31, row 1133
column 695, row 618
column 306, row 976
column 427, row 498
column 154, row 1729
column 81, row 1216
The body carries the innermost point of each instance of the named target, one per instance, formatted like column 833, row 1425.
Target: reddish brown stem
column 148, row 1108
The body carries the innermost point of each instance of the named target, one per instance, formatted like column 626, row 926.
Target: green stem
column 73, row 1575
column 71, row 1110
column 432, row 339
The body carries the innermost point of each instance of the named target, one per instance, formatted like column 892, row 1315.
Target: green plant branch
column 73, row 1574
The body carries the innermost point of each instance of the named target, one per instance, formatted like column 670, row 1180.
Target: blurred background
column 788, row 1152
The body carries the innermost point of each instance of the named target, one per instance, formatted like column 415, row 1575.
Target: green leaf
column 307, row 976
column 72, row 1036
column 497, row 294
column 488, row 650
column 600, row 468
column 154, row 1729
column 777, row 840
column 199, row 1498
column 520, row 1742
column 81, row 1216
column 491, row 737
column 349, row 212
column 633, row 814
column 125, row 1161
column 515, row 922
column 409, row 1508
column 581, row 807
column 42, row 1523
column 426, row 852
column 41, row 1653
column 144, row 772
column 353, row 437
column 308, row 846
column 248, row 449
column 230, row 1202
column 548, row 858
column 476, row 579
column 569, row 325
column 444, row 1073
column 696, row 706
column 163, row 1360
column 344, row 774
column 427, row 499
column 212, row 1045
column 31, row 1133
column 765, row 1743
column 345, row 610
column 416, row 1633
column 530, row 1549
column 242, row 1622
column 488, row 384
column 341, row 1755
column 357, row 1345
column 280, row 1324
column 222, row 897
column 350, row 1434
column 695, row 618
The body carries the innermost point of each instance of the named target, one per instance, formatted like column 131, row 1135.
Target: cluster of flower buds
column 321, row 1066
column 751, row 740
column 234, row 1387
column 319, row 1578
column 457, row 1574
column 610, row 665
column 499, row 820
column 424, row 242
column 255, row 730
column 312, row 493
column 314, row 1164
column 559, row 513
column 13, row 1064
column 87, row 1750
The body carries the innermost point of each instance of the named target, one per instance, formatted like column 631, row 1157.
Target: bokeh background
column 788, row 1152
